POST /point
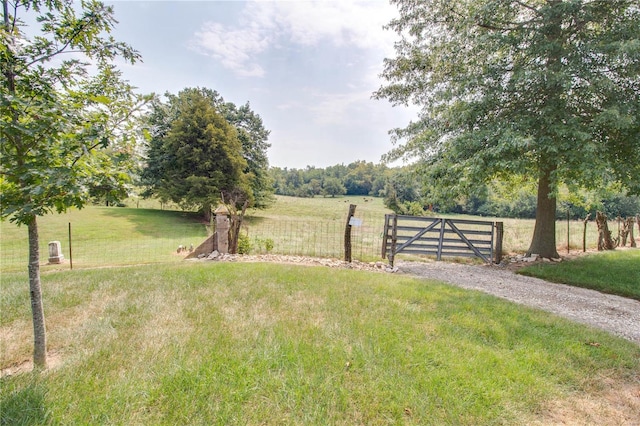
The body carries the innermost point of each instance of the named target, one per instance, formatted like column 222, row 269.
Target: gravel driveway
column 617, row 315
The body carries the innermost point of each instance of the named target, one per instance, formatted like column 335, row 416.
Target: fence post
column 584, row 233
column 70, row 249
column 394, row 240
column 347, row 234
column 385, row 234
column 568, row 233
column 499, row 237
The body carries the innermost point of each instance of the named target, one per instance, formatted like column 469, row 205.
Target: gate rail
column 441, row 237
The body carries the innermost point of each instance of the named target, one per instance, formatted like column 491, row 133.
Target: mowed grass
column 239, row 343
column 102, row 236
column 615, row 272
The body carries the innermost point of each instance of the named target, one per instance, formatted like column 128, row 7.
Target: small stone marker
column 55, row 252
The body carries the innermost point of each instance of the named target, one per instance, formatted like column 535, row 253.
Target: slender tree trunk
column 543, row 242
column 35, row 290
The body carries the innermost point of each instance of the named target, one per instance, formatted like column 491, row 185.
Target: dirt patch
column 54, row 360
column 617, row 405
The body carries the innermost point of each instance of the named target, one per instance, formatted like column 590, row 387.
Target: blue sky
column 308, row 68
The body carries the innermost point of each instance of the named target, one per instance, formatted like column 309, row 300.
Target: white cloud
column 265, row 25
column 233, row 48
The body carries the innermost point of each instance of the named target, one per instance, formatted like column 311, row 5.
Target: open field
column 237, row 343
column 103, row 236
column 292, row 217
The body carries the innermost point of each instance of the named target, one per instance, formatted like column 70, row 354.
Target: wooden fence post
column 499, row 238
column 347, row 234
column 584, row 233
column 394, row 240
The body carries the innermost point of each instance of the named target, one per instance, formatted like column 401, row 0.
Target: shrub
column 244, row 244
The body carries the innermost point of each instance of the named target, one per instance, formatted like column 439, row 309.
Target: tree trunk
column 35, row 290
column 624, row 231
column 605, row 242
column 236, row 225
column 631, row 236
column 543, row 242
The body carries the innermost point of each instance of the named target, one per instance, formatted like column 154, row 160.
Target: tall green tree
column 253, row 136
column 57, row 117
column 194, row 154
column 548, row 89
column 333, row 186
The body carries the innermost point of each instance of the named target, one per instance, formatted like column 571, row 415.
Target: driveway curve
column 615, row 314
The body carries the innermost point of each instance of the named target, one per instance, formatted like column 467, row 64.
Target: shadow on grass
column 253, row 220
column 24, row 407
column 155, row 223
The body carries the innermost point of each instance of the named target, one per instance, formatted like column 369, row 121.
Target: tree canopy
column 545, row 89
column 202, row 147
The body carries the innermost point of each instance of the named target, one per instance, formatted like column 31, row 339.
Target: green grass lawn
column 615, row 272
column 103, row 236
column 238, row 343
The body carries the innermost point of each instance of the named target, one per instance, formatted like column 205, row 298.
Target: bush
column 244, row 244
column 265, row 245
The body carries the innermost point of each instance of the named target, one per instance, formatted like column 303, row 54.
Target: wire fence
column 90, row 247
column 318, row 238
column 98, row 247
column 94, row 246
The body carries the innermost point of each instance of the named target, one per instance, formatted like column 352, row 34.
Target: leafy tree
column 542, row 88
column 194, row 153
column 333, row 186
column 163, row 169
column 57, row 118
column 253, row 136
column 402, row 191
column 359, row 179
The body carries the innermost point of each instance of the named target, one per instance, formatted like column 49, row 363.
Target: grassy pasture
column 105, row 236
column 290, row 219
column 237, row 343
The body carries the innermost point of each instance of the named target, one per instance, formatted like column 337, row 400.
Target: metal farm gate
column 441, row 237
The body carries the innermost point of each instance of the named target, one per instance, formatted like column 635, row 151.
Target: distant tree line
column 405, row 191
column 358, row 178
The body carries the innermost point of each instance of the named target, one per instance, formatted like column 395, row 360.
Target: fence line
column 95, row 247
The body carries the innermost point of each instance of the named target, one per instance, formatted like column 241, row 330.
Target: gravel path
column 617, row 315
